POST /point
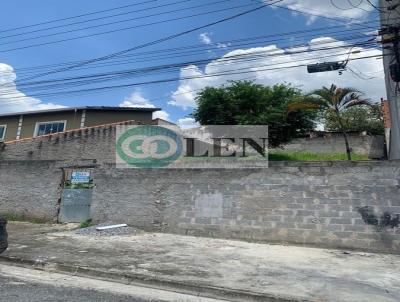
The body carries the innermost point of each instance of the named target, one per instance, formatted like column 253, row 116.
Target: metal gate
column 76, row 195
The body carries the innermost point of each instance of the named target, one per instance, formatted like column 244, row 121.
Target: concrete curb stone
column 145, row 281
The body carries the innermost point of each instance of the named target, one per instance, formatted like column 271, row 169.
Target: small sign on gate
column 80, row 177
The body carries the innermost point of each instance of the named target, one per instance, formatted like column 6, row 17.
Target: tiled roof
column 80, row 130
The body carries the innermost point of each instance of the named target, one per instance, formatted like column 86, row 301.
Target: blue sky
column 170, row 96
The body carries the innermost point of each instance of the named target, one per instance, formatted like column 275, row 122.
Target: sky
column 266, row 41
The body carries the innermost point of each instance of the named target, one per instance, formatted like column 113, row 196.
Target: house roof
column 99, row 108
column 72, row 131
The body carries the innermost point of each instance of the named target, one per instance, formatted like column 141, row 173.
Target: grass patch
column 308, row 156
column 23, row 218
column 85, row 224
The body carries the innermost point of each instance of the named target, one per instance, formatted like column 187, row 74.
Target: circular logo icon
column 149, row 146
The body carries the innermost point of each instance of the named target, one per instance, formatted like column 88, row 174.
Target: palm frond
column 347, row 98
column 307, row 103
column 333, row 98
column 324, row 93
column 358, row 102
column 332, row 89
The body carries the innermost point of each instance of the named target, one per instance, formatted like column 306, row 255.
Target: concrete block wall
column 327, row 204
column 99, row 143
column 303, row 205
column 30, row 188
column 89, row 143
column 331, row 204
column 128, row 195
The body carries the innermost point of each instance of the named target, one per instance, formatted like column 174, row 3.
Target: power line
column 355, row 22
column 166, row 69
column 239, row 71
column 95, row 19
column 129, row 20
column 59, row 41
column 262, row 54
column 163, row 57
column 119, row 29
column 289, row 51
column 89, row 82
column 124, row 28
column 191, row 47
column 338, row 7
column 122, row 55
column 75, row 17
column 225, row 73
column 352, row 5
column 358, row 5
column 360, row 74
column 374, row 6
column 183, row 33
column 151, row 56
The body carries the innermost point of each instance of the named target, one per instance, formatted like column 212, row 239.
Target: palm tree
column 332, row 99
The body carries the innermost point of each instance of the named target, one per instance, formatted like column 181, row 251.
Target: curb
column 214, row 292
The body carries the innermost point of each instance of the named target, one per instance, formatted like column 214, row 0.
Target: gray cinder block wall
column 30, row 188
column 99, row 143
column 89, row 143
column 330, row 204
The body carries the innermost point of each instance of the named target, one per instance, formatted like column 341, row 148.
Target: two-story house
column 15, row 126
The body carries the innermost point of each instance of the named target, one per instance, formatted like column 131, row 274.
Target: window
column 2, row 132
column 49, row 127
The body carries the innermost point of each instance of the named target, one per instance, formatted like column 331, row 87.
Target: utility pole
column 390, row 29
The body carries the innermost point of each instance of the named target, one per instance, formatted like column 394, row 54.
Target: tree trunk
column 348, row 150
column 346, row 140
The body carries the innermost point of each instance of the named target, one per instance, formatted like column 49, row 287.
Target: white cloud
column 223, row 45
column 13, row 100
column 185, row 94
column 298, row 76
column 137, row 100
column 187, row 123
column 205, row 38
column 325, row 8
column 161, row 114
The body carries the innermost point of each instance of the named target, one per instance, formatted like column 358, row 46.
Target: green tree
column 334, row 101
column 247, row 103
column 361, row 118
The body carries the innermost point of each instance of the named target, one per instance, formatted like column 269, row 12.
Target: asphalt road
column 12, row 289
